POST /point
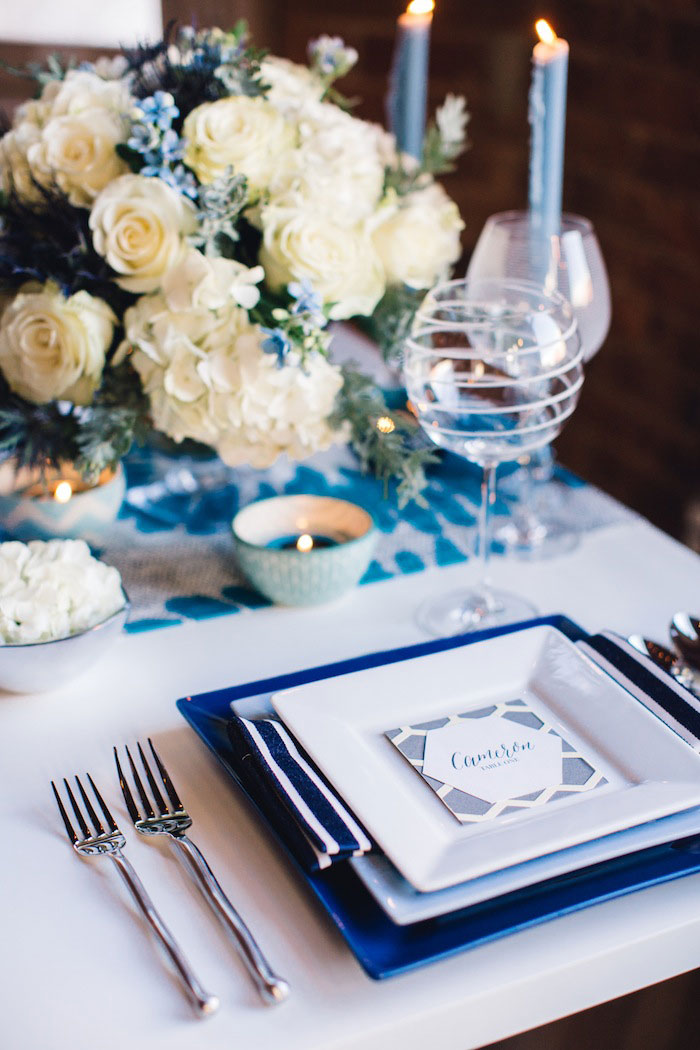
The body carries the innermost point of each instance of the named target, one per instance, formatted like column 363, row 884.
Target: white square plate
column 341, row 722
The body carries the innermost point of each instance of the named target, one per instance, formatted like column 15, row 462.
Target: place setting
column 253, row 397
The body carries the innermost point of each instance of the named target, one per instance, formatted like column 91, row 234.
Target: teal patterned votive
column 306, row 573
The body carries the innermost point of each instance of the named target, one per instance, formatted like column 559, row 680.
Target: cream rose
column 15, row 173
column 78, row 154
column 341, row 264
column 53, row 347
column 80, row 121
column 247, row 134
column 139, row 225
column 419, row 240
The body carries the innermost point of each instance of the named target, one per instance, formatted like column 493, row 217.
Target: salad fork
column 173, row 820
column 109, row 842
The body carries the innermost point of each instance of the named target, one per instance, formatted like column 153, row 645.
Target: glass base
column 534, row 539
column 461, row 611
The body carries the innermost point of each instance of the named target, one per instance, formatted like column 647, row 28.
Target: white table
column 78, row 970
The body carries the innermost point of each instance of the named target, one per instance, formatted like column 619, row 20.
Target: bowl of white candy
column 60, row 608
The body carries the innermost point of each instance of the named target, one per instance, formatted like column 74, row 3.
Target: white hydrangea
column 336, row 168
column 291, row 86
column 51, row 590
column 203, row 368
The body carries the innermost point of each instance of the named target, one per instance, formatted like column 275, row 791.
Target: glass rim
column 555, row 296
column 579, row 222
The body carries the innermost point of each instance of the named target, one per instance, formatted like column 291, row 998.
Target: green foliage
column 399, row 455
column 219, row 207
column 390, row 324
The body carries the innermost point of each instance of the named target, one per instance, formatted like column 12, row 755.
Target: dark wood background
column 632, row 167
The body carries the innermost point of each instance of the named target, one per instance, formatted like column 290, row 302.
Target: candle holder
column 56, row 503
column 303, row 550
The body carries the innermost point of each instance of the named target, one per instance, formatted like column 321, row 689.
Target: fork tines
column 99, row 828
column 153, row 783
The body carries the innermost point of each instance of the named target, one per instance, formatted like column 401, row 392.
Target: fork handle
column 272, row 988
column 203, row 1002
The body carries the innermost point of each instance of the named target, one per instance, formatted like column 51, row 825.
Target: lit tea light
column 304, row 543
column 303, row 550
column 63, row 492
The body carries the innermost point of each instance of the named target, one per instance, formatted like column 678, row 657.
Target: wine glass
column 493, row 369
column 571, row 263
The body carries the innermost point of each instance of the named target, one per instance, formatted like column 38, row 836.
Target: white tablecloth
column 79, row 971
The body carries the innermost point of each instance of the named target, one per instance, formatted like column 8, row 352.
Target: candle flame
column 420, row 7
column 305, row 543
column 63, row 492
column 545, row 31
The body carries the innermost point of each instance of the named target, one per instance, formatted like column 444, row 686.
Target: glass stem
column 488, row 489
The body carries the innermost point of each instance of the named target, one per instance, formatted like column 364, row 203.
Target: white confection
column 50, row 590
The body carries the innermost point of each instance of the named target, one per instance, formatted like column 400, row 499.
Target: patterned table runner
column 176, row 553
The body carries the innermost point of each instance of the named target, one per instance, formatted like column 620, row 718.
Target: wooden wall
column 632, row 166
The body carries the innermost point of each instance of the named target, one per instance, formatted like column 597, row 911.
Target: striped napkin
column 647, row 682
column 296, row 798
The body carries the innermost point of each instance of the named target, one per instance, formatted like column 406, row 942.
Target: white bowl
column 36, row 667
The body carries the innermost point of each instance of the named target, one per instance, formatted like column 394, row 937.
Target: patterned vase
column 57, row 504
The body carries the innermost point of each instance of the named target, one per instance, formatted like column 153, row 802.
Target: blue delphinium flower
column 172, row 147
column 277, row 342
column 159, row 109
column 307, row 301
column 143, row 138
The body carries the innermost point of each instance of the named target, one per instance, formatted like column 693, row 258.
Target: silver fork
column 110, row 842
column 173, row 820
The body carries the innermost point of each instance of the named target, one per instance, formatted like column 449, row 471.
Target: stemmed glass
column 572, row 264
column 493, row 369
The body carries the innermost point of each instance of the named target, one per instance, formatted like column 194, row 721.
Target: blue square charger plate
column 384, row 948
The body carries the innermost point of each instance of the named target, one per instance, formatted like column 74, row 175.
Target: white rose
column 247, row 134
column 15, row 173
column 341, row 264
column 82, row 119
column 419, row 240
column 83, row 91
column 53, row 348
column 139, row 226
column 78, row 154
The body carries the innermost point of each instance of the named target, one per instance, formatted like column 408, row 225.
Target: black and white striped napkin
column 296, row 798
column 661, row 694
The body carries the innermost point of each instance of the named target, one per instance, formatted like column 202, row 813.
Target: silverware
column 110, row 843
column 172, row 820
column 668, row 661
column 685, row 635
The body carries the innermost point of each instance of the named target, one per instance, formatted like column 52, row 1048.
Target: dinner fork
column 110, row 842
column 173, row 820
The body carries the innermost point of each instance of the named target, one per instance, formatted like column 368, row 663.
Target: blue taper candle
column 408, row 82
column 550, row 61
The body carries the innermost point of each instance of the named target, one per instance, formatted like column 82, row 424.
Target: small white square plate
column 342, row 721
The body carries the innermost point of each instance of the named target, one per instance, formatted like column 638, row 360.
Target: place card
column 495, row 761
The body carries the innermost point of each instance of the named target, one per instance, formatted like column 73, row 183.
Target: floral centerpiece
column 179, row 225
